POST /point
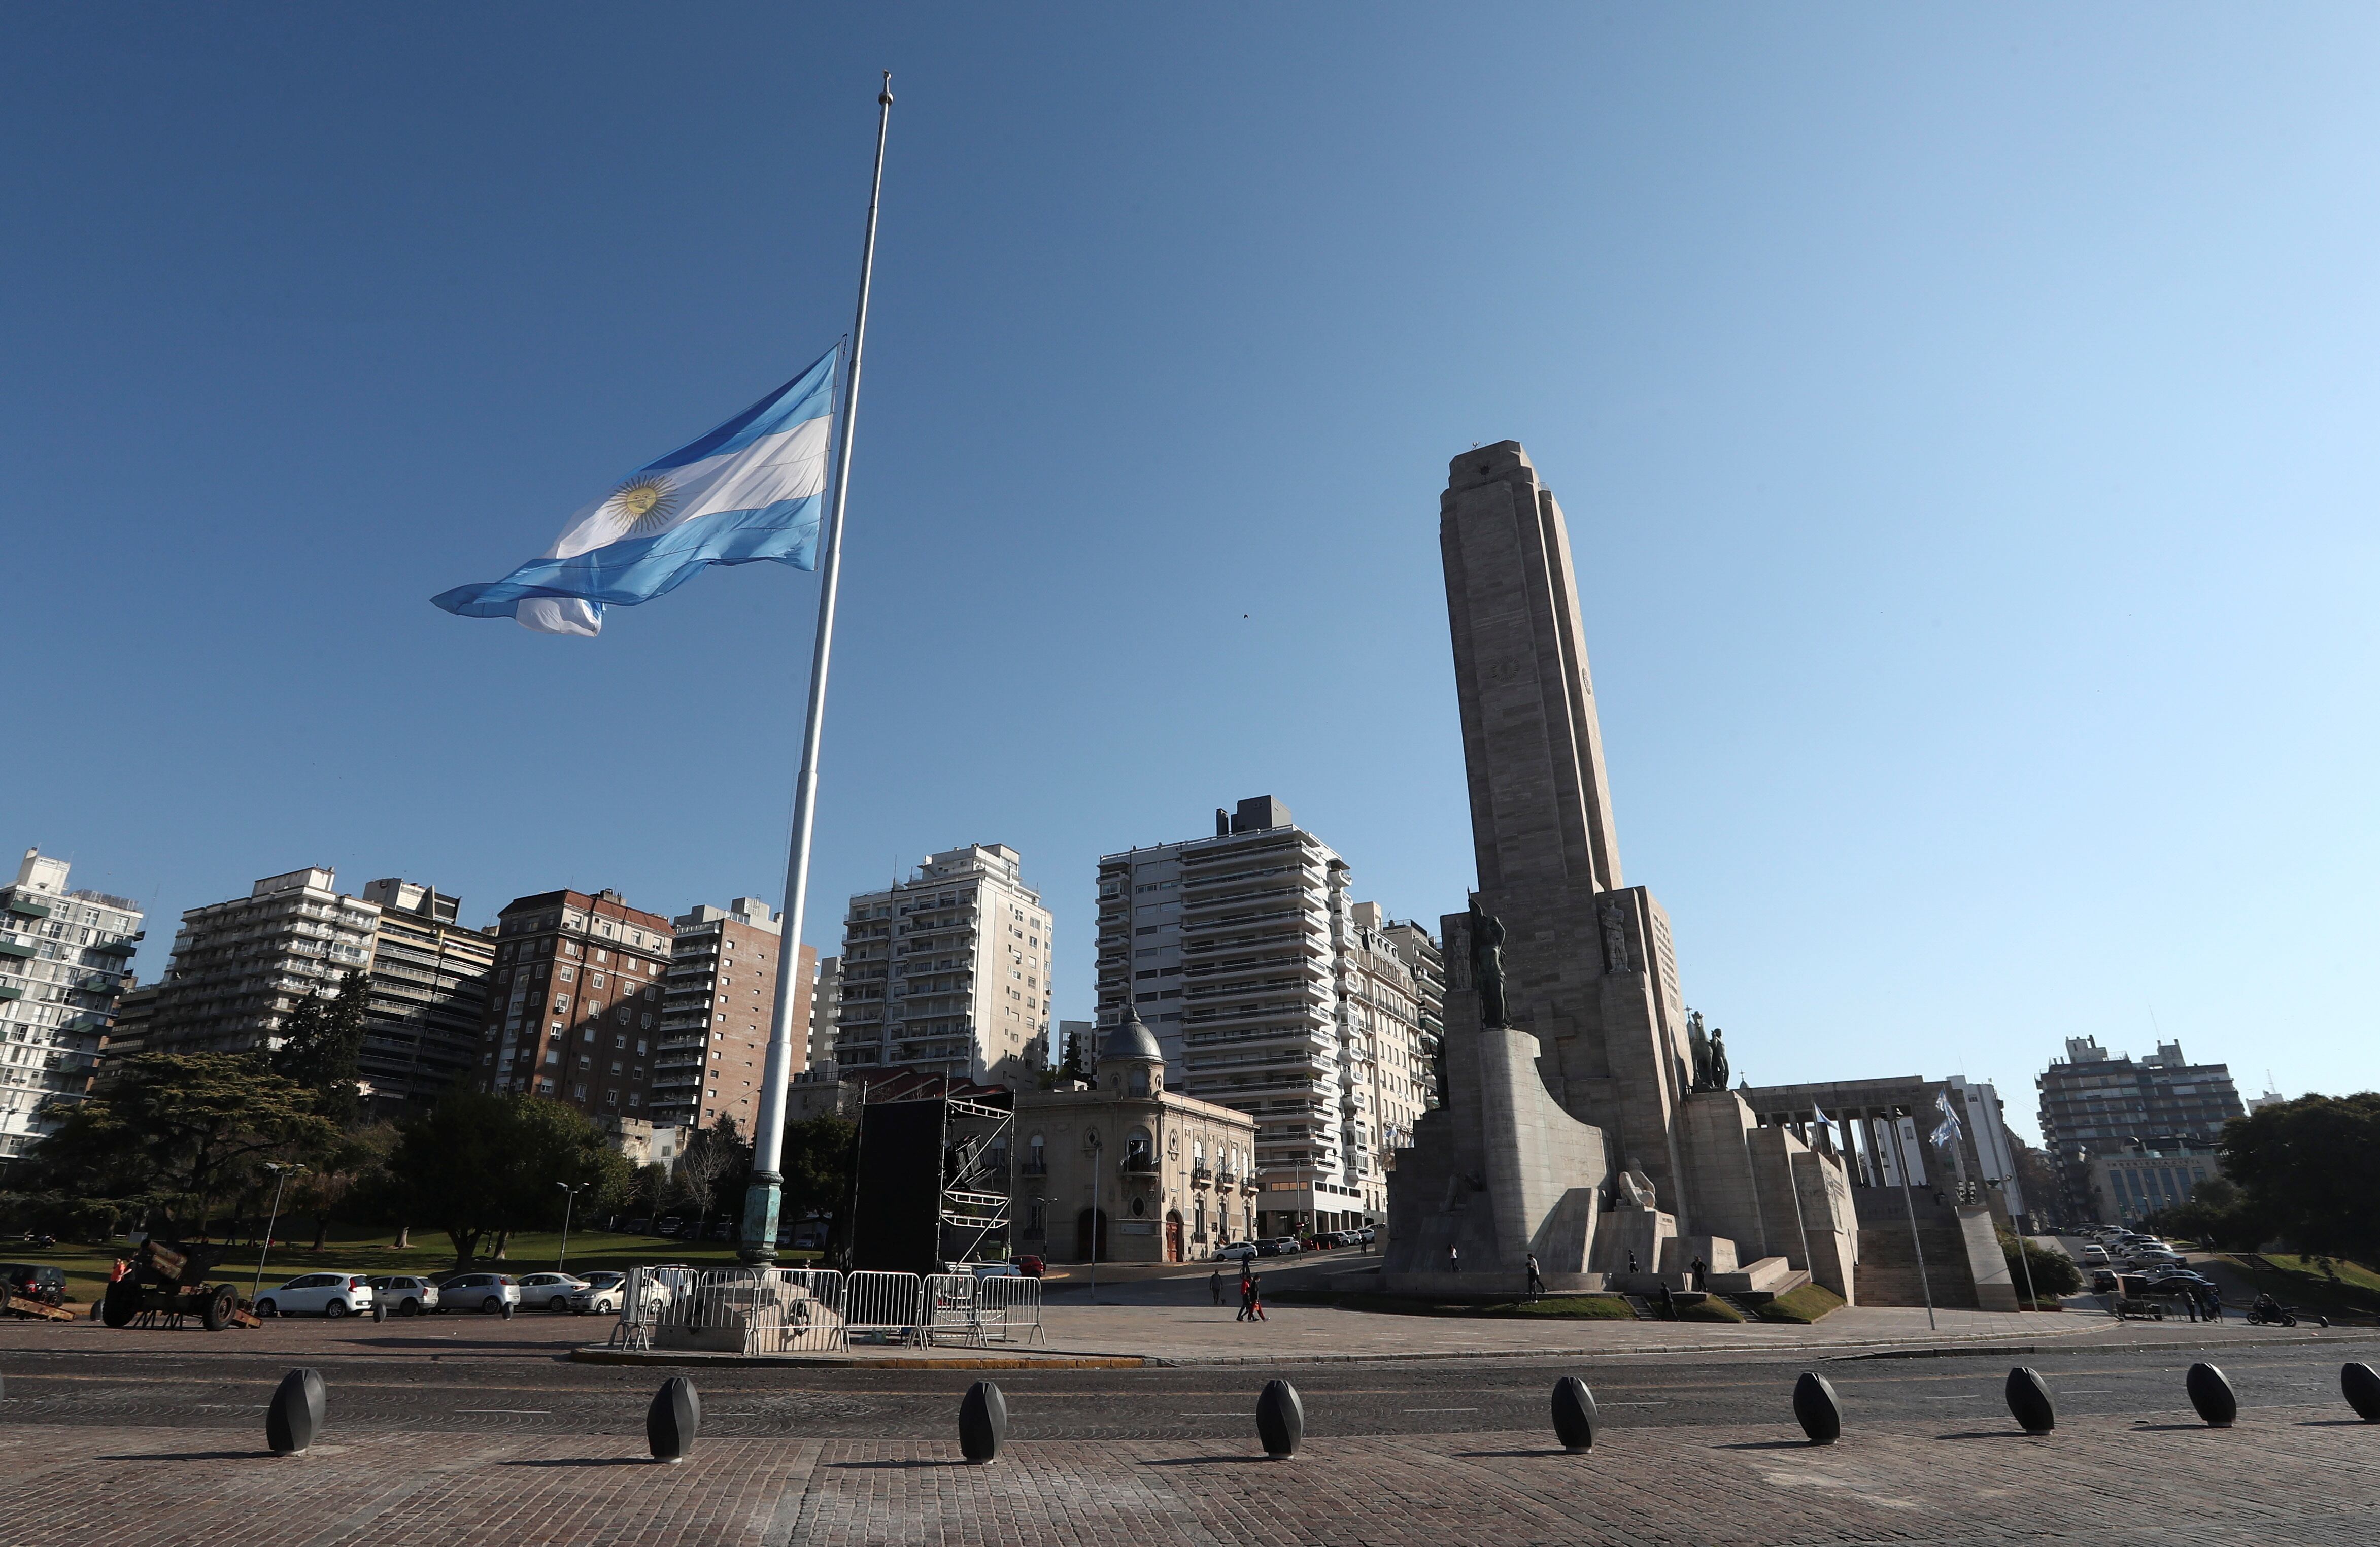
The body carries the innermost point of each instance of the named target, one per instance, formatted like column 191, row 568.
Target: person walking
column 1537, row 1279
column 1631, row 1262
column 1215, row 1283
column 1454, row 1259
column 1248, row 1294
column 1256, row 1295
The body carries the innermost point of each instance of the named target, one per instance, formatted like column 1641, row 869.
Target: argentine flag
column 750, row 490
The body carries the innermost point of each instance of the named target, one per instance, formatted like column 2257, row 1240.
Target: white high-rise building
column 239, row 967
column 818, row 1064
column 947, row 972
column 1272, row 993
column 64, row 960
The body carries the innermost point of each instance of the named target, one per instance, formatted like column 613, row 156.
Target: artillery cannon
column 169, row 1279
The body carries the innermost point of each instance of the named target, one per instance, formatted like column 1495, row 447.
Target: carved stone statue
column 1633, row 1189
column 1488, row 965
column 1699, row 1042
column 1718, row 1060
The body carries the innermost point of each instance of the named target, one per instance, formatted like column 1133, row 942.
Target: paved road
column 465, row 1393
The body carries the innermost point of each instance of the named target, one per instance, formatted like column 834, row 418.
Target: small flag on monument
column 750, row 490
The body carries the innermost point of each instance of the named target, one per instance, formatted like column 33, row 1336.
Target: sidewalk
column 2284, row 1476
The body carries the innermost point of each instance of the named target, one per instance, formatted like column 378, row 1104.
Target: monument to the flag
column 1573, row 1128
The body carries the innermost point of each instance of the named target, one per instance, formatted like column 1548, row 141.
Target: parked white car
column 490, row 1293
column 317, row 1295
column 1237, row 1251
column 604, row 1294
column 552, row 1291
column 405, row 1295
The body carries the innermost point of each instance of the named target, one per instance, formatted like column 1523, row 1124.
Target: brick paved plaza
column 162, row 1443
column 2285, row 1475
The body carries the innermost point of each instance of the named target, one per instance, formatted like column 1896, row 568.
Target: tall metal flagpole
column 759, row 1244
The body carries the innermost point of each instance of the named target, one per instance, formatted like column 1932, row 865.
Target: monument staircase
column 1887, row 1263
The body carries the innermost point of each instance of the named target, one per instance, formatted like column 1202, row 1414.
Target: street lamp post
column 282, row 1173
column 1092, row 1144
column 571, row 1193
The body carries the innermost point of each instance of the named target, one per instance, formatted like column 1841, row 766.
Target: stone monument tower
column 1571, row 1120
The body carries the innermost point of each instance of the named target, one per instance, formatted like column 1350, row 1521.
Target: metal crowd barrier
column 748, row 1311
column 882, row 1305
column 777, row 1310
column 1008, row 1308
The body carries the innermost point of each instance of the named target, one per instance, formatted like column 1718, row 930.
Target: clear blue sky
column 1965, row 422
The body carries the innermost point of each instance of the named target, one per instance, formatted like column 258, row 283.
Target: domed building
column 1120, row 1168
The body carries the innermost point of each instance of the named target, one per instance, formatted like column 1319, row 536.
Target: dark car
column 2103, row 1282
column 640, row 1227
column 35, row 1282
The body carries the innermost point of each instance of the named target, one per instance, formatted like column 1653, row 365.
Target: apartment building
column 1245, row 953
column 240, row 967
column 824, row 1005
column 64, row 962
column 2096, row 1103
column 577, row 1008
column 948, row 971
column 717, row 1007
column 427, row 999
column 1392, row 984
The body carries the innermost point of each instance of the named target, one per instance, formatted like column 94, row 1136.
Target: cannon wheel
column 219, row 1309
column 118, row 1310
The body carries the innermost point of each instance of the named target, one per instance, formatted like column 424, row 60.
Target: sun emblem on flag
column 643, row 505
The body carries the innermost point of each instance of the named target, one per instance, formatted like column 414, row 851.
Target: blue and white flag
column 1947, row 1132
column 750, row 490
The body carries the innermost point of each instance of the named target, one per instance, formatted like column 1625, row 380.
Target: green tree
column 2053, row 1273
column 2305, row 1169
column 817, row 1156
column 320, row 1043
column 171, row 1135
column 709, row 1166
column 480, row 1166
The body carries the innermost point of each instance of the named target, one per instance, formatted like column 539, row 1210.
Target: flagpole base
column 759, row 1247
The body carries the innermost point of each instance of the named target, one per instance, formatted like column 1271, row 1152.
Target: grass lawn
column 86, row 1266
column 2299, row 1280
column 1802, row 1305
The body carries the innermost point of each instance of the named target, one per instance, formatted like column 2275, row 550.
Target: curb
column 602, row 1353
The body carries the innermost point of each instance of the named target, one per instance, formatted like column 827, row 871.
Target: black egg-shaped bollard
column 2212, row 1395
column 983, row 1423
column 2028, row 1400
column 1280, row 1419
column 295, row 1416
column 1817, row 1407
column 674, row 1420
column 2360, row 1385
column 1573, row 1414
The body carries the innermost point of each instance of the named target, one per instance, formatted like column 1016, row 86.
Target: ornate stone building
column 1127, row 1169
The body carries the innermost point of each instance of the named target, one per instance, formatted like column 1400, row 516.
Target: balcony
column 27, row 906
column 1202, row 1176
column 1140, row 1163
column 1034, row 1168
column 19, row 948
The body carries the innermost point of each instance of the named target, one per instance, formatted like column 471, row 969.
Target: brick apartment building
column 717, row 1007
column 575, row 1011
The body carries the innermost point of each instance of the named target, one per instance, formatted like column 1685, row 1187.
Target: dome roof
column 1131, row 1039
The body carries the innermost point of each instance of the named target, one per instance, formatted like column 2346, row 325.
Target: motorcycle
column 2281, row 1316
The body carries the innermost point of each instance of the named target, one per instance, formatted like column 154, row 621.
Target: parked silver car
column 490, row 1293
column 605, row 1293
column 551, row 1291
column 405, row 1295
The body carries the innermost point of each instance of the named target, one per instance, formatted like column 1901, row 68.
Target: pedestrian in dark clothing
column 1668, row 1303
column 1631, row 1262
column 1698, row 1274
column 1256, row 1295
column 1215, row 1285
column 1537, row 1279
column 1454, row 1259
